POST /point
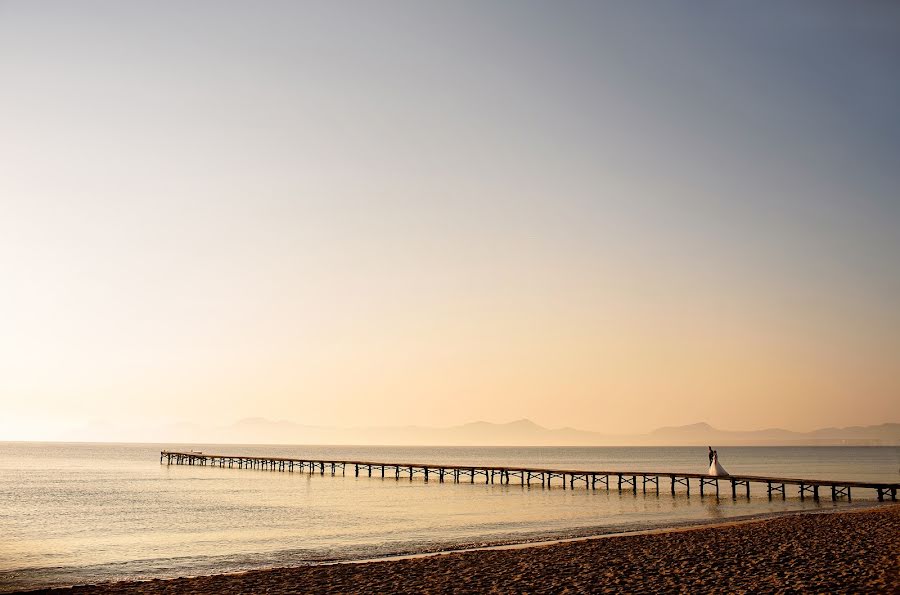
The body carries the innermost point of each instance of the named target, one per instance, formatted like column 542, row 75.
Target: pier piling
column 568, row 478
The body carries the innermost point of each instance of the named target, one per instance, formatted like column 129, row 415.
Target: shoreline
column 827, row 528
column 519, row 545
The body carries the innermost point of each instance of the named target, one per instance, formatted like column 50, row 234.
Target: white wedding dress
column 715, row 468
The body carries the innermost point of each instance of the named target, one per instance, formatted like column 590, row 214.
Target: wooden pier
column 566, row 478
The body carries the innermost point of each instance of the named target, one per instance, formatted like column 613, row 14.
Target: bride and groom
column 714, row 467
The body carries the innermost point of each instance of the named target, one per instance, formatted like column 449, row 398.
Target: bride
column 714, row 467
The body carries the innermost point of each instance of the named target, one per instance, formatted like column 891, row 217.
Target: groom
column 711, row 454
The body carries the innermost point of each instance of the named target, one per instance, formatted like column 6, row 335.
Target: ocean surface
column 85, row 513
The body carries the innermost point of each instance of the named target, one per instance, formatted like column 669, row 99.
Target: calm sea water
column 83, row 513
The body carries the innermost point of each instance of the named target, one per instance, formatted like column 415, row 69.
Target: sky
column 607, row 215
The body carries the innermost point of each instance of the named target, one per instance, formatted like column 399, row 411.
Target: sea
column 87, row 513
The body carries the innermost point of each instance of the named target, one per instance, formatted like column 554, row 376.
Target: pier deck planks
column 569, row 477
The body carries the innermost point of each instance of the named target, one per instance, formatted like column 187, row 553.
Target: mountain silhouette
column 525, row 432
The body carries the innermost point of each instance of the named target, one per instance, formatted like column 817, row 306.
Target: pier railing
column 567, row 478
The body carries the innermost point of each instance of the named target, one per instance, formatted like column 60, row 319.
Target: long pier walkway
column 567, row 478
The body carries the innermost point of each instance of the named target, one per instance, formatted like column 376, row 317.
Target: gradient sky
column 613, row 216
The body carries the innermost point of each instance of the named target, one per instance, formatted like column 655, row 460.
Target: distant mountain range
column 887, row 434
column 521, row 433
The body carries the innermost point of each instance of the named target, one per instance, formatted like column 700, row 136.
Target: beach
column 850, row 551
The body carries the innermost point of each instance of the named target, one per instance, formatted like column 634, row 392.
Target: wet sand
column 852, row 552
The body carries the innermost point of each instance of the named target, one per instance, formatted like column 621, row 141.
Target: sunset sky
column 613, row 216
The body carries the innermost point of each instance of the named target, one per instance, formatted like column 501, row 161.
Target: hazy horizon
column 519, row 432
column 610, row 216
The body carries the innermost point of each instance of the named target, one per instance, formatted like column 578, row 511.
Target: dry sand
column 852, row 552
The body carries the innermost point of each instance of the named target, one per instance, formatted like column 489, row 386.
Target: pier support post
column 567, row 478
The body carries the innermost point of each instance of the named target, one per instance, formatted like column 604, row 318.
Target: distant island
column 522, row 432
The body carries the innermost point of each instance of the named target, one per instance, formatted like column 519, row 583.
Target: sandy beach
column 852, row 552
